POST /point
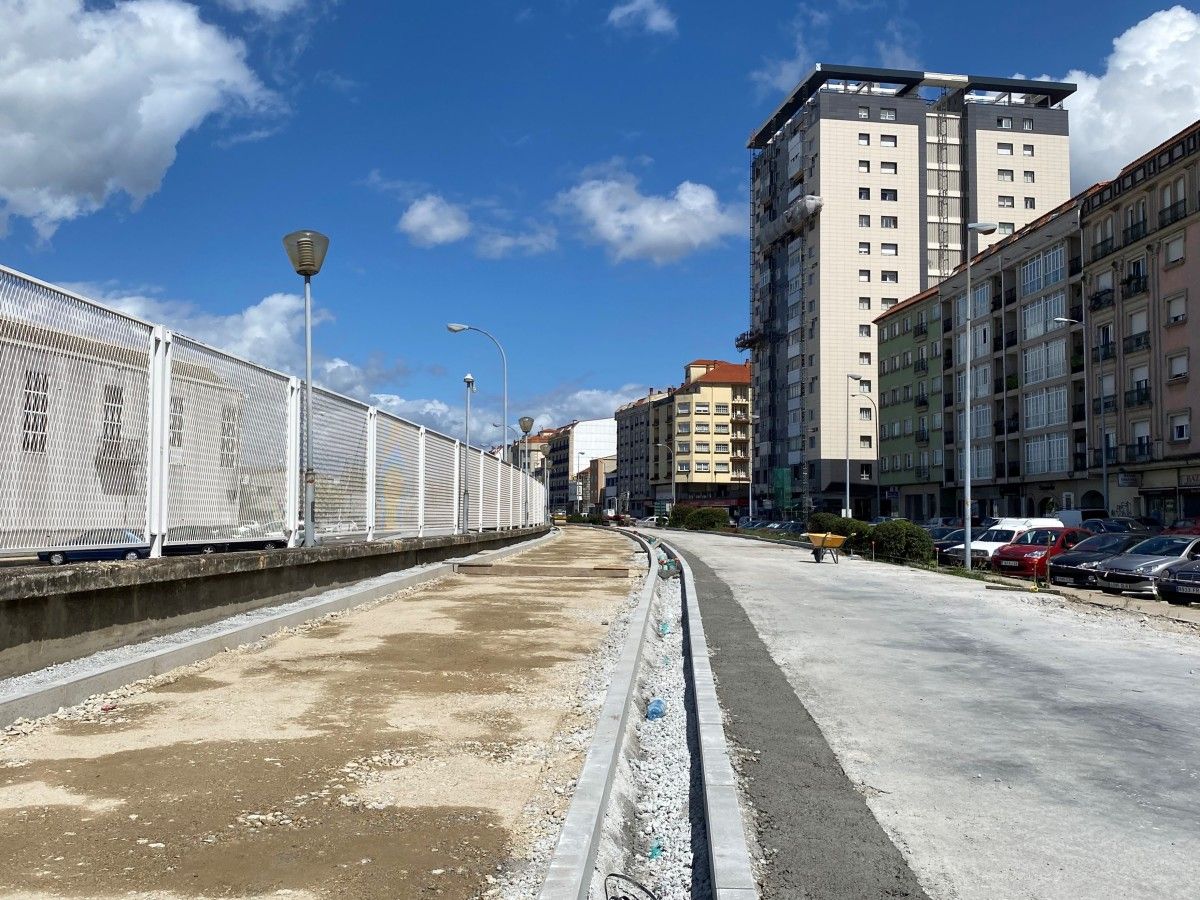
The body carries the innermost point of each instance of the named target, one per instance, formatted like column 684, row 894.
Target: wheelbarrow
column 826, row 544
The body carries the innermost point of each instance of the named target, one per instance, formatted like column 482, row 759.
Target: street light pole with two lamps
column 878, row 494
column 1100, row 400
column 469, row 381
column 456, row 328
column 671, row 470
column 968, row 561
column 306, row 249
column 847, row 512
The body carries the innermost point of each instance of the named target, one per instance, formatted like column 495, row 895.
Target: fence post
column 372, row 423
column 480, row 494
column 159, row 468
column 460, row 524
column 291, row 512
column 421, row 481
column 499, row 492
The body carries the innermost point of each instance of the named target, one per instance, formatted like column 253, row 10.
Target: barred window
column 37, row 411
column 176, row 421
column 110, row 434
column 230, row 436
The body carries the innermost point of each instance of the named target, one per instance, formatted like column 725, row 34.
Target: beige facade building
column 634, row 493
column 863, row 182
column 700, row 436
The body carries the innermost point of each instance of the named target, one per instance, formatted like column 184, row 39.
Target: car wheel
column 131, row 555
column 207, row 549
column 270, row 545
column 57, row 559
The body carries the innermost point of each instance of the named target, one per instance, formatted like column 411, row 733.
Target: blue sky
column 571, row 176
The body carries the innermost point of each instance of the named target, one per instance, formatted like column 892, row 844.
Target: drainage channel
column 655, row 814
column 40, row 693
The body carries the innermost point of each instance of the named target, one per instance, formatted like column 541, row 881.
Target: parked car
column 98, row 543
column 1117, row 525
column 1136, row 569
column 1178, row 584
column 1005, row 531
column 938, row 532
column 941, row 545
column 1030, row 553
column 1078, row 566
column 1075, row 518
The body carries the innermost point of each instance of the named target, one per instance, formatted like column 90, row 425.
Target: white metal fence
column 120, row 431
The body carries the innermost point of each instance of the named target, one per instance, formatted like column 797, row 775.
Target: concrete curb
column 728, row 850
column 49, row 698
column 574, row 859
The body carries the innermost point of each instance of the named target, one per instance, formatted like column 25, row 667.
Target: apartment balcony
column 922, row 435
column 998, row 385
column 1010, row 296
column 1172, row 213
column 1079, row 461
column 1134, row 285
column 1011, row 382
column 1014, row 469
column 739, row 436
column 1076, row 363
column 1143, row 451
column 1102, row 248
column 1135, row 342
column 1012, row 425
column 1104, row 351
column 997, row 343
column 1104, row 405
column 739, row 417
column 1077, row 313
column 921, row 401
column 997, row 302
column 947, row 399
column 1098, row 456
column 921, row 473
column 1001, row 471
column 948, row 435
column 947, row 360
column 1139, row 396
column 1075, row 266
column 920, row 365
column 1078, row 412
column 1134, row 232
column 1010, row 339
column 748, row 340
column 1101, row 299
column 921, row 329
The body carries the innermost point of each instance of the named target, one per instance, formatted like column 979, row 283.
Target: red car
column 1030, row 553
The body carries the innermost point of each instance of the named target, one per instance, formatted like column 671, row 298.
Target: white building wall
column 593, row 438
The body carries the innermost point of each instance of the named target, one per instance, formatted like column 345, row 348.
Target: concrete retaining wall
column 50, row 615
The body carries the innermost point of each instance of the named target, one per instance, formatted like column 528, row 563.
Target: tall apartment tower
column 862, row 184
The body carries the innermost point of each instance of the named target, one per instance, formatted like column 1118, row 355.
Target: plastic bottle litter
column 664, row 628
column 656, row 849
column 656, row 709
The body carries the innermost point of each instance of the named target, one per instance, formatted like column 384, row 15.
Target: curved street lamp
column 968, row 560
column 458, row 327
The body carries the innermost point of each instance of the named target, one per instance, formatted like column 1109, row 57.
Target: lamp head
column 455, row 327
column 306, row 249
column 526, row 423
column 469, row 381
column 982, row 227
column 854, row 377
column 1063, row 320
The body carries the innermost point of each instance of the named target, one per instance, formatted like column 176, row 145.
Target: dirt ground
column 408, row 749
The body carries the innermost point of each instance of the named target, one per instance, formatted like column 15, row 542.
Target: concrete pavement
column 1007, row 746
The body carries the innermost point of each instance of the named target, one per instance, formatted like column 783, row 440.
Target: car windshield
column 997, row 536
column 1040, row 536
column 1101, row 542
column 1162, row 546
column 957, row 535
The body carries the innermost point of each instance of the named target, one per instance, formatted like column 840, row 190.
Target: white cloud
column 1147, row 92
column 663, row 228
column 94, row 102
column 495, row 244
column 809, row 32
column 650, row 15
column 266, row 9
column 432, row 220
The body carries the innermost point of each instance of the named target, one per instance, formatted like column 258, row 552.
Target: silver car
column 1136, row 568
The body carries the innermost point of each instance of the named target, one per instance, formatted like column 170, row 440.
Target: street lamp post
column 855, row 378
column 526, row 423
column 469, row 381
column 968, row 561
column 455, row 328
column 750, row 464
column 546, row 476
column 1082, row 323
column 878, row 494
column 306, row 250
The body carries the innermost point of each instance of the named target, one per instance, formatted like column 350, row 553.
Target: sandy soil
column 409, row 749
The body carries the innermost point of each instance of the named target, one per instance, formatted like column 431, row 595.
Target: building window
column 110, row 434
column 1004, row 174
column 1004, row 121
column 1030, row 203
column 1027, row 124
column 722, row 409
column 889, row 222
column 721, row 428
column 1007, row 228
column 888, row 249
column 683, row 409
column 864, row 139
column 887, row 140
column 1174, row 250
column 864, row 165
column 722, row 467
column 701, row 446
column 888, row 168
column 176, row 421
column 864, row 221
column 683, row 466
column 722, row 448
column 888, row 302
column 37, row 411
column 1181, row 427
column 864, row 112
column 864, row 193
column 864, row 359
column 701, row 428
column 1177, row 366
column 701, row 465
column 1004, row 149
column 864, row 386
column 864, row 274
column 683, row 446
column 864, row 302
column 1030, row 178
column 1027, row 149
column 890, row 194
column 890, row 277
column 864, row 330
column 887, row 114
column 864, row 248
column 864, row 413
column 1004, row 201
column 683, row 428
column 230, row 435
column 864, row 441
column 702, row 409
column 1176, row 310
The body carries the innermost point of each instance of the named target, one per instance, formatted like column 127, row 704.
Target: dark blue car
column 99, row 543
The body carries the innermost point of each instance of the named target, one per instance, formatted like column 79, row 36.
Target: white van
column 1002, row 532
column 1074, row 518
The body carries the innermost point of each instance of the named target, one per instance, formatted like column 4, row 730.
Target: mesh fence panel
column 227, row 447
column 491, row 467
column 440, row 502
column 74, row 390
column 397, row 445
column 340, row 464
column 506, row 496
column 474, row 504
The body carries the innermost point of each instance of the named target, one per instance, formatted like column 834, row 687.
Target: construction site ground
column 417, row 747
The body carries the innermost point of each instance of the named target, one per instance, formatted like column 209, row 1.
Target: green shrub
column 823, row 522
column 708, row 518
column 902, row 541
column 680, row 516
column 576, row 518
